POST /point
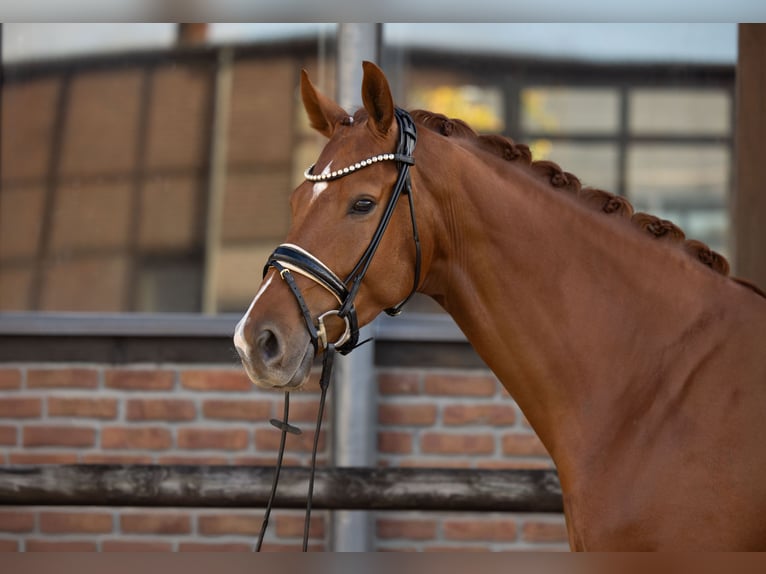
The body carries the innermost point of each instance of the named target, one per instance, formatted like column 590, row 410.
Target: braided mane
column 596, row 199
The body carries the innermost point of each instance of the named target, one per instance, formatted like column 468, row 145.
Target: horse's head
column 350, row 252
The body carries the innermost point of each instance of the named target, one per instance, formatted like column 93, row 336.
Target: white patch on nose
column 239, row 332
column 320, row 186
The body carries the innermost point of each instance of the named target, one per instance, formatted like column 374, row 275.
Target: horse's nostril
column 268, row 345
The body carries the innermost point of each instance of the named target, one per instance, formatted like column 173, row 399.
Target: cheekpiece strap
column 288, row 278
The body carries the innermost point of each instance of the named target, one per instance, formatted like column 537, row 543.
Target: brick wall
column 211, row 414
column 457, row 418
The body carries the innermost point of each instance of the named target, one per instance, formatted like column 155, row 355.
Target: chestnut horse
column 641, row 368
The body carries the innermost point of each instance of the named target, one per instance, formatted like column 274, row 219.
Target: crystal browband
column 357, row 166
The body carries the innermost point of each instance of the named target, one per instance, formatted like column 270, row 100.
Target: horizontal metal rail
column 409, row 326
column 234, row 486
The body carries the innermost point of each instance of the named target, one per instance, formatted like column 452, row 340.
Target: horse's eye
column 362, row 206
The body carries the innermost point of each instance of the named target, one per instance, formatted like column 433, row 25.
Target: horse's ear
column 324, row 114
column 377, row 99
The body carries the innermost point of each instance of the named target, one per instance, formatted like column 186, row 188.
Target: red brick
column 16, row 521
column 106, row 130
column 466, row 444
column 9, row 546
column 398, row 383
column 107, row 458
column 135, row 546
column 396, row 549
column 509, row 463
column 155, row 523
column 161, row 410
column 268, row 439
column 214, row 439
column 239, row 410
column 469, row 385
column 456, row 549
column 150, row 438
column 20, row 407
column 81, row 407
column 303, row 411
column 479, row 529
column 268, row 460
column 451, row 462
column 43, row 458
column 140, row 379
column 272, row 547
column 406, row 528
column 174, row 138
column 310, row 388
column 526, row 424
column 216, row 380
column 50, row 435
column 213, row 547
column 8, row 435
column 394, row 442
column 55, row 546
column 544, row 531
column 80, row 378
column 193, row 460
column 10, row 379
column 495, row 415
column 75, row 522
column 292, row 526
column 407, row 415
column 218, row 524
column 523, row 445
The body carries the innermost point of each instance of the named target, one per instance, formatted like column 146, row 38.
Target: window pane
column 687, row 184
column 594, row 164
column 480, row 107
column 569, row 110
column 684, row 111
column 666, row 174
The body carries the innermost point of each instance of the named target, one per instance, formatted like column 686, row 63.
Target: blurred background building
column 147, row 167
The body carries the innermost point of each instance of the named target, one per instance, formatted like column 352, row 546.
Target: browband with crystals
column 358, row 165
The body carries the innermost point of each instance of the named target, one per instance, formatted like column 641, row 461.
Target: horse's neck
column 559, row 300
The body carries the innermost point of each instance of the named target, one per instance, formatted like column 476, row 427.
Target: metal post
column 354, row 409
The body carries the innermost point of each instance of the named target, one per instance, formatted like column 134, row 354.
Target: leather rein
column 288, row 259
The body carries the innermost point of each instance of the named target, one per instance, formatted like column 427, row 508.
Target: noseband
column 288, row 258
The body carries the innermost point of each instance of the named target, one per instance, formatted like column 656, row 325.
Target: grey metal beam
column 408, row 327
column 424, row 489
column 354, row 391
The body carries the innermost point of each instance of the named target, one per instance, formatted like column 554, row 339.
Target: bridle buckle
column 322, row 329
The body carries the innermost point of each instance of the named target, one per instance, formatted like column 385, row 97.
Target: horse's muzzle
column 270, row 362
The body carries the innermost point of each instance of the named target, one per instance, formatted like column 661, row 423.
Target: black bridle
column 288, row 259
